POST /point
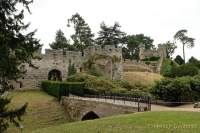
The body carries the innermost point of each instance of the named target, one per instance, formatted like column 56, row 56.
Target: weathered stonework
column 153, row 66
column 76, row 108
column 59, row 60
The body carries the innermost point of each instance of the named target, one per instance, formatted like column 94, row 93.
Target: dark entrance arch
column 55, row 75
column 90, row 116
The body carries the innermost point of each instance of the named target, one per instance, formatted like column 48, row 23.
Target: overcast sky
column 159, row 19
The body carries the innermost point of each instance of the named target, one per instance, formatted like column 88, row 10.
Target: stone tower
column 141, row 51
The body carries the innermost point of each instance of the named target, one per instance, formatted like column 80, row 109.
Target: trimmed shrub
column 59, row 89
column 52, row 88
column 76, row 88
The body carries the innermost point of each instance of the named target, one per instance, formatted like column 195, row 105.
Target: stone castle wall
column 140, row 65
column 60, row 60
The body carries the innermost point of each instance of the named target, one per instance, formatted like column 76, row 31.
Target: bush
column 182, row 89
column 152, row 58
column 59, row 89
column 166, row 67
column 100, row 85
column 179, row 60
column 94, row 71
column 71, row 69
column 193, row 61
column 52, row 88
column 80, row 77
column 183, row 70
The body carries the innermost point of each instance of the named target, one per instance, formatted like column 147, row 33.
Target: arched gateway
column 55, row 75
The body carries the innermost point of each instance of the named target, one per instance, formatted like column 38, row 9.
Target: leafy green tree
column 179, row 60
column 170, row 48
column 71, row 69
column 60, row 41
column 110, row 35
column 134, row 42
column 185, row 40
column 194, row 61
column 83, row 35
column 16, row 48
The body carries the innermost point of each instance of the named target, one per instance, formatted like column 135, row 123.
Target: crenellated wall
column 59, row 60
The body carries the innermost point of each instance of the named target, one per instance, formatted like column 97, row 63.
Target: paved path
column 154, row 107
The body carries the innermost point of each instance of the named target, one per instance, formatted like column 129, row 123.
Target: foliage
column 83, row 36
column 60, row 41
column 126, row 53
column 181, row 89
column 52, row 88
column 58, row 89
column 193, row 61
column 94, row 71
column 134, row 42
column 185, row 40
column 101, row 85
column 170, row 48
column 71, row 69
column 183, row 70
column 167, row 66
column 179, row 60
column 17, row 47
column 110, row 35
column 152, row 58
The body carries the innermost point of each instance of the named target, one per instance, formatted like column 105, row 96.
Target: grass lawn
column 43, row 110
column 143, row 78
column 149, row 122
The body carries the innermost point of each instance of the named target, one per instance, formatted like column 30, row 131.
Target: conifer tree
column 83, row 35
column 60, row 41
column 16, row 49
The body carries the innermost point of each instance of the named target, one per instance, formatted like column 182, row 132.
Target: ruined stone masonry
column 57, row 62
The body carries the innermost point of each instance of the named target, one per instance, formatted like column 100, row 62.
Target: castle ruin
column 54, row 64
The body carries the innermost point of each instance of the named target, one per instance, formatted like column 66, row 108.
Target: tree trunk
column 184, row 52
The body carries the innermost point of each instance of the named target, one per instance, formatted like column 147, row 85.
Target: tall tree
column 185, row 40
column 60, row 41
column 134, row 42
column 83, row 35
column 170, row 48
column 110, row 35
column 16, row 49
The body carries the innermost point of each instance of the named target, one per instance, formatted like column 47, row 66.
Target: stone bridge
column 81, row 108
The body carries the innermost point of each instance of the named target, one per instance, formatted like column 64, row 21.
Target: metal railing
column 141, row 103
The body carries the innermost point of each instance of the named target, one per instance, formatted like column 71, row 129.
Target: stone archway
column 90, row 116
column 55, row 75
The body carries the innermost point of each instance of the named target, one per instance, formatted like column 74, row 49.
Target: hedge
column 59, row 89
